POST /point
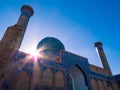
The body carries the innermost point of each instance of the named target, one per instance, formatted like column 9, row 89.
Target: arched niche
column 78, row 78
column 47, row 78
column 1, row 77
column 105, row 84
column 100, row 85
column 36, row 75
column 60, row 80
column 22, row 81
column 94, row 84
column 110, row 87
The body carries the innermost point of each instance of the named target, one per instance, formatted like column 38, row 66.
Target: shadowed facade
column 53, row 68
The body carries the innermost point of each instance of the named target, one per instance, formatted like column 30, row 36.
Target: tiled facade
column 54, row 69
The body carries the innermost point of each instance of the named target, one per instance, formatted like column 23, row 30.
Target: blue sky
column 77, row 23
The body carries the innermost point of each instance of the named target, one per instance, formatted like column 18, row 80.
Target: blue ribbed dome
column 51, row 44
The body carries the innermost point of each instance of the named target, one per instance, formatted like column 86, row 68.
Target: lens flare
column 34, row 54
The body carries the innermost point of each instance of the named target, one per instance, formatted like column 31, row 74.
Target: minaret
column 13, row 36
column 26, row 13
column 102, row 56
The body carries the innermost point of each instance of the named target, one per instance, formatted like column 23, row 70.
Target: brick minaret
column 26, row 13
column 11, row 42
column 102, row 56
column 13, row 36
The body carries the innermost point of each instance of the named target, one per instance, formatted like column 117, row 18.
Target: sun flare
column 33, row 53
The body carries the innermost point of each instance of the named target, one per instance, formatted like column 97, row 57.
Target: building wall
column 51, row 75
column 21, row 82
column 18, row 71
column 99, row 82
column 115, row 85
column 99, row 70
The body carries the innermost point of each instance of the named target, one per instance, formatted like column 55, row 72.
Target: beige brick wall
column 102, row 84
column 99, row 70
column 115, row 85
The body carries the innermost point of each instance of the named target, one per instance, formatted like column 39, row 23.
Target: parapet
column 27, row 8
column 98, row 44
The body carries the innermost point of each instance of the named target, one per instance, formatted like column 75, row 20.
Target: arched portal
column 78, row 79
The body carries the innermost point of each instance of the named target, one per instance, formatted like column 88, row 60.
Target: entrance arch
column 78, row 79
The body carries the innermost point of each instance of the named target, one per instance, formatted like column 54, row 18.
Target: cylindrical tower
column 26, row 13
column 14, row 35
column 101, row 54
column 11, row 42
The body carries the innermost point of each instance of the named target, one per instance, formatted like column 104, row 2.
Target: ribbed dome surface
column 51, row 44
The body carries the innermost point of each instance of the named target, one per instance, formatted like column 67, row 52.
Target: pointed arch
column 36, row 75
column 110, row 87
column 47, row 78
column 22, row 82
column 60, row 79
column 86, row 82
column 78, row 78
column 105, row 84
column 100, row 85
column 94, row 84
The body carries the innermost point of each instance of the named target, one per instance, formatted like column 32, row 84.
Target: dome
column 51, row 44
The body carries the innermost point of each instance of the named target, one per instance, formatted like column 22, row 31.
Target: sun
column 33, row 53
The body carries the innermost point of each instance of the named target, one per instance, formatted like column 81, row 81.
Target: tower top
column 98, row 44
column 27, row 8
column 26, row 12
